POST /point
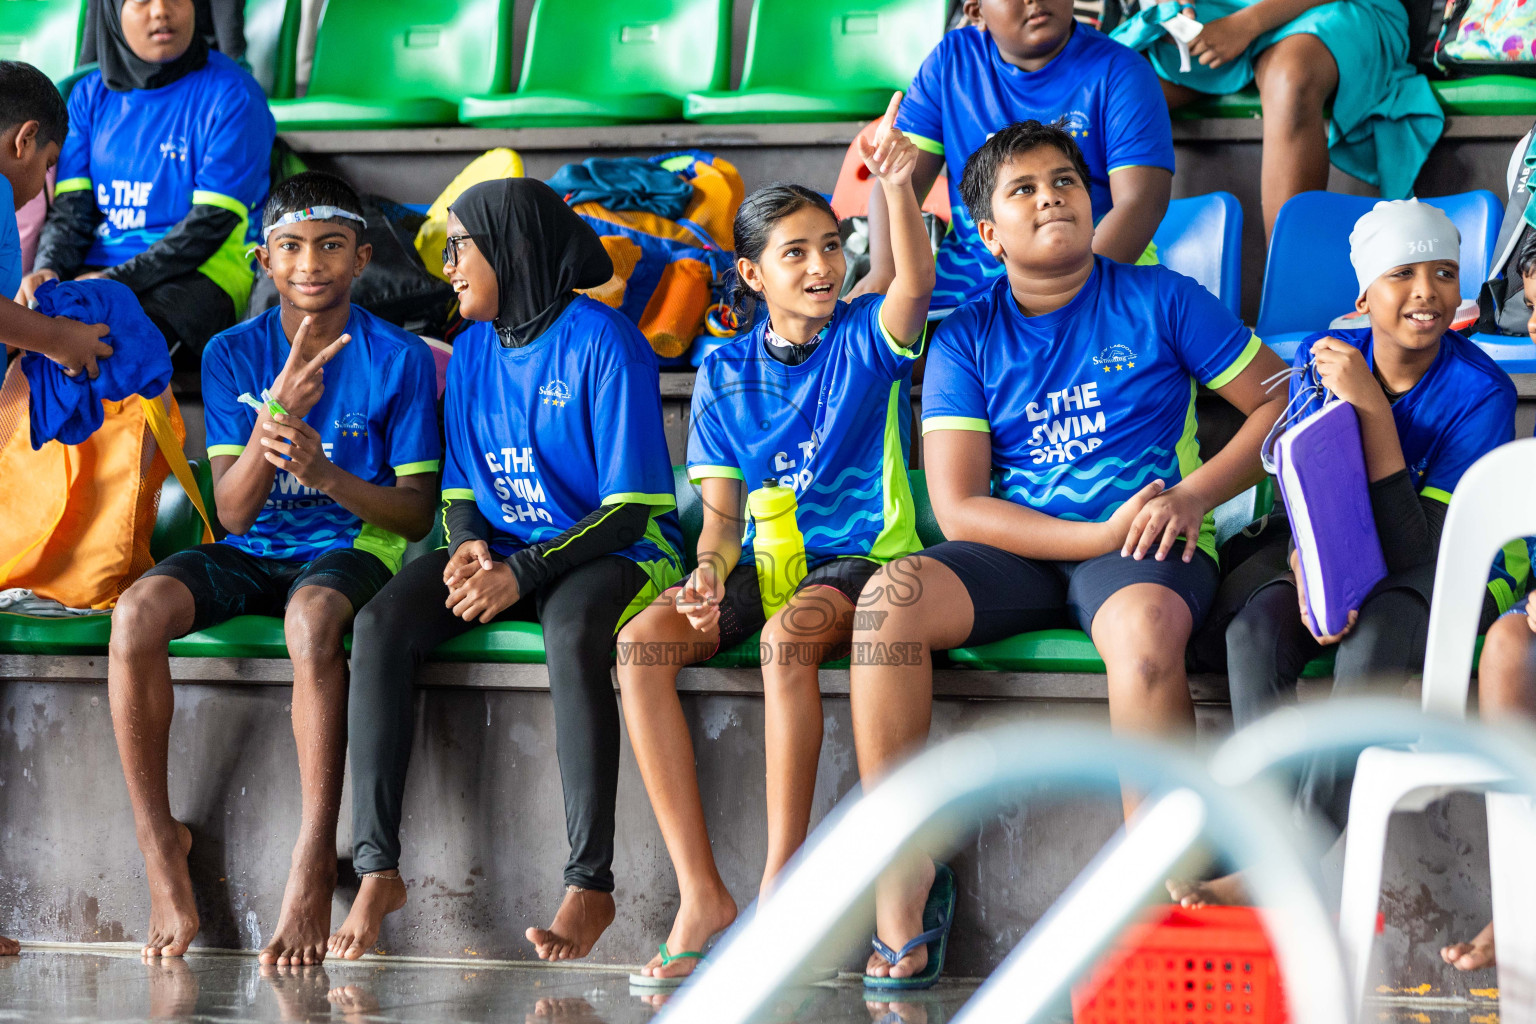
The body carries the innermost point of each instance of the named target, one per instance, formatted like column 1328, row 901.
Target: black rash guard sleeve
column 183, row 249
column 607, row 529
column 67, row 233
column 1407, row 524
column 462, row 522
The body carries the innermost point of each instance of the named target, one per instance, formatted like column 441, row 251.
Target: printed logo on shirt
column 1116, row 358
column 175, row 149
column 353, row 424
column 556, row 392
column 517, row 484
column 123, row 204
column 1067, row 425
column 1076, row 123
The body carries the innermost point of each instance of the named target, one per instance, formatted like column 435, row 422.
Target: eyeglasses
column 451, row 249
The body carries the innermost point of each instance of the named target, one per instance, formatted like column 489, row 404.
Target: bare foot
column 382, row 892
column 569, row 1011
column 173, row 988
column 1471, row 956
column 9, row 947
column 899, row 902
column 172, row 909
column 1227, row 891
column 698, row 918
column 301, row 992
column 305, row 920
column 354, row 1002
column 583, row 916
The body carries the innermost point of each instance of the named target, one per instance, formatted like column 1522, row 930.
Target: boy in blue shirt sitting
column 33, row 124
column 1059, row 431
column 1024, row 60
column 319, row 481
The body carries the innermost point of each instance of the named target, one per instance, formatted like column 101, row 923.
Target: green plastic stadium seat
column 44, row 33
column 396, row 63
column 77, row 634
column 177, row 524
column 838, row 60
column 1048, row 650
column 1487, row 95
column 1244, row 103
column 272, row 44
column 244, row 636
column 617, row 62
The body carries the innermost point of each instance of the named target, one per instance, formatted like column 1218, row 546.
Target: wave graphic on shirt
column 963, row 266
column 837, row 536
column 875, row 486
column 1103, row 477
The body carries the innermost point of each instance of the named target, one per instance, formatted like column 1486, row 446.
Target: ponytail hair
column 755, row 219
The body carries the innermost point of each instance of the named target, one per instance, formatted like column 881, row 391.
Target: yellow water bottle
column 777, row 545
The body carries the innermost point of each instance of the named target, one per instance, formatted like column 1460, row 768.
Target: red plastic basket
column 1207, row 966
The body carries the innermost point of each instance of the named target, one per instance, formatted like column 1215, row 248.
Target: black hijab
column 122, row 69
column 541, row 251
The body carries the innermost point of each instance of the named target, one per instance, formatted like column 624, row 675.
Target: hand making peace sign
column 892, row 156
column 301, row 383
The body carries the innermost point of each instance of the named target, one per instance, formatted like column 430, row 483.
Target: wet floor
column 92, row 987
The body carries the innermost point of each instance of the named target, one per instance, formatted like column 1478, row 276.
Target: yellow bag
column 433, row 233
column 75, row 520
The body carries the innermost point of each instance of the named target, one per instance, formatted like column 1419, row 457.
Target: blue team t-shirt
column 1460, row 410
column 377, row 420
column 965, row 92
column 149, row 155
column 540, row 436
column 10, row 242
column 834, row 429
column 1089, row 403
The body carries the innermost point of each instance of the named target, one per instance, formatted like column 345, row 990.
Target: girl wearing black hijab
column 163, row 175
column 559, row 508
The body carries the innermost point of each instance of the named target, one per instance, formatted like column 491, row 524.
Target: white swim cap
column 1398, row 232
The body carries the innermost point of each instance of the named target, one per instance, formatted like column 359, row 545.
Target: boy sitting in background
column 319, row 481
column 1031, row 60
column 33, row 123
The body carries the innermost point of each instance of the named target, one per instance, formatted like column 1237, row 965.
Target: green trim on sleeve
column 223, row 202
column 932, row 423
column 1436, row 494
column 229, row 267
column 225, row 449
column 641, row 498
column 385, row 545
column 926, row 144
column 1148, row 257
column 1239, row 364
column 697, row 473
column 890, row 339
column 72, row 185
column 415, row 468
column 458, row 494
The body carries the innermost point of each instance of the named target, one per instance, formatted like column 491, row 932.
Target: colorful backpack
column 669, row 275
column 1483, row 36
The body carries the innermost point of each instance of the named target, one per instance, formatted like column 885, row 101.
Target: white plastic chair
column 1494, row 504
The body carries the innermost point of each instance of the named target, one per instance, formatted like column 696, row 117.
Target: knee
column 1504, row 675
column 575, row 640
column 315, row 622
column 1252, row 634
column 142, row 619
column 795, row 643
column 1295, row 85
column 1146, row 641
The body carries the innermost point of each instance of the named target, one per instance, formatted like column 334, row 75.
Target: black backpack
column 1501, row 302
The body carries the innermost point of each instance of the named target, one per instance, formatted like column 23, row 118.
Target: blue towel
column 628, row 183
column 68, row 409
column 1384, row 119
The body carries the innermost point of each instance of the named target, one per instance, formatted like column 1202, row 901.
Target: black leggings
column 1268, row 645
column 397, row 630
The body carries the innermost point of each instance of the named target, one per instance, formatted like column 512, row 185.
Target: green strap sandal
column 652, row 984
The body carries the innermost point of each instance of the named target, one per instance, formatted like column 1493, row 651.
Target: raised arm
column 882, row 263
column 892, row 158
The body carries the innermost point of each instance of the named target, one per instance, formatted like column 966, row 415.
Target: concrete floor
column 118, row 986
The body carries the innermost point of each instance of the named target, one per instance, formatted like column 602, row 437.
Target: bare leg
column 1179, row 95
column 1141, row 633
column 316, row 620
column 1295, row 76
column 149, row 615
column 652, row 647
column 920, row 606
column 1506, row 686
column 801, row 635
column 381, row 893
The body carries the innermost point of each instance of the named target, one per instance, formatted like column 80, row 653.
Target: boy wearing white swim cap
column 1430, row 404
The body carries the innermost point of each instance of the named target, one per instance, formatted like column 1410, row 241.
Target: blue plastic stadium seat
column 1202, row 237
column 1309, row 281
